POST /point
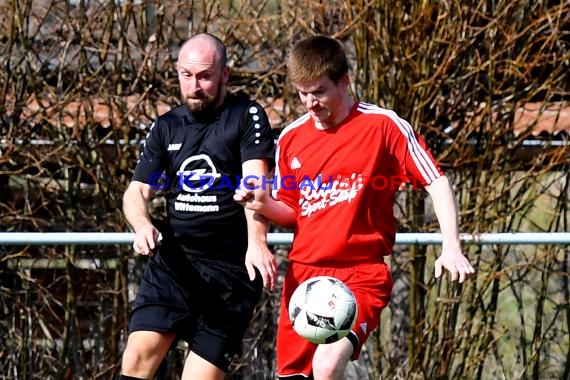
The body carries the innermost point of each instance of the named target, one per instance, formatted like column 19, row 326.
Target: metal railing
column 106, row 238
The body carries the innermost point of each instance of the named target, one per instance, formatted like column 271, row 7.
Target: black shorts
column 206, row 303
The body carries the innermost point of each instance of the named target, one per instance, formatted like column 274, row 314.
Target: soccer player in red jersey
column 357, row 155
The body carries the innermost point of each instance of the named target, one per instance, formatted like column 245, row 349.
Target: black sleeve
column 152, row 159
column 257, row 140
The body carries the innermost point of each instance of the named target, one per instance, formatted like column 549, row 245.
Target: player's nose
column 310, row 101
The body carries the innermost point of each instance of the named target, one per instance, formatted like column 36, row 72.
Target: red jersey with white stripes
column 342, row 182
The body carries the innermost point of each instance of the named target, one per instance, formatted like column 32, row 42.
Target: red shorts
column 372, row 287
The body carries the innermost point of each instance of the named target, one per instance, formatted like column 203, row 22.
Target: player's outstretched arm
column 135, row 208
column 255, row 198
column 452, row 257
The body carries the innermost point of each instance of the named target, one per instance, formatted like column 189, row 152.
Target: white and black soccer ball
column 323, row 309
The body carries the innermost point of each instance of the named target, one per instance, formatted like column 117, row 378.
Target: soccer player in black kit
column 203, row 281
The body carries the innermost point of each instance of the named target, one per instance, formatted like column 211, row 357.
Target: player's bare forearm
column 279, row 212
column 135, row 205
column 445, row 209
column 260, row 201
column 256, row 197
column 452, row 257
column 257, row 224
column 135, row 208
column 258, row 254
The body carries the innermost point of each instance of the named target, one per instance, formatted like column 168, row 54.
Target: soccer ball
column 322, row 309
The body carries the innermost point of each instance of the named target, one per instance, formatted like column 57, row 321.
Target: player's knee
column 326, row 368
column 131, row 360
column 137, row 364
column 330, row 360
column 144, row 353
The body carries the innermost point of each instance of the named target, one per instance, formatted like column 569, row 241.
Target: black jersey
column 201, row 162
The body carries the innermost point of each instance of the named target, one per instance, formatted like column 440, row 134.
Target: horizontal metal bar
column 4, row 143
column 106, row 238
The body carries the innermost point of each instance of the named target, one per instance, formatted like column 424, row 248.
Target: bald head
column 202, row 73
column 203, row 48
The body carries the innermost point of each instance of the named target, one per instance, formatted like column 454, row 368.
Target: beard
column 201, row 104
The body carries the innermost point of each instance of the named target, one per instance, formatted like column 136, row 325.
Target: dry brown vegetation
column 81, row 80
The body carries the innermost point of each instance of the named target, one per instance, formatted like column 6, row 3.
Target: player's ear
column 226, row 74
column 344, row 81
column 177, row 67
